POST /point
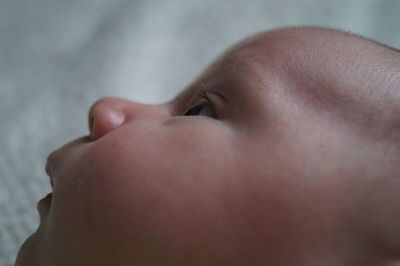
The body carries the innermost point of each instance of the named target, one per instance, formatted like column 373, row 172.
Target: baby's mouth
column 56, row 155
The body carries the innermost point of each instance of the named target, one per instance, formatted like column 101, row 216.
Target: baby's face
column 268, row 167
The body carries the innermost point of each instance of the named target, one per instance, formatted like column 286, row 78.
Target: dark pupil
column 202, row 109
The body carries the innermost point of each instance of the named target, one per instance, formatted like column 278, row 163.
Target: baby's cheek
column 106, row 218
column 168, row 199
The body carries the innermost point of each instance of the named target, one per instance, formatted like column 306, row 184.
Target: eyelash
column 202, row 94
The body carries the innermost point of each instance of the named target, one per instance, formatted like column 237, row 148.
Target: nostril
column 90, row 121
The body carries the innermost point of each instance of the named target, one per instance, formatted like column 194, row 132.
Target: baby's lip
column 53, row 157
column 48, row 171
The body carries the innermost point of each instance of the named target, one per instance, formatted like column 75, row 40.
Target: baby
column 284, row 152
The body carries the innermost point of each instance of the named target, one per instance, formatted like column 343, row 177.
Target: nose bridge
column 139, row 111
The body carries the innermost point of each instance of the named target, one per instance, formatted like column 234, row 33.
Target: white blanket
column 58, row 57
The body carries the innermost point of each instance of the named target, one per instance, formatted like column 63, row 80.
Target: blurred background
column 58, row 57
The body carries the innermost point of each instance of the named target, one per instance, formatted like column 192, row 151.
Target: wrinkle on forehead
column 332, row 72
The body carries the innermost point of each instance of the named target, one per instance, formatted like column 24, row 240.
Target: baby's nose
column 105, row 115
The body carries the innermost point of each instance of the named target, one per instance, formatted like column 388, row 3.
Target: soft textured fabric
column 58, row 57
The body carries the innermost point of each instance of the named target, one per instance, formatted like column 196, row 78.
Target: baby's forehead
column 327, row 70
column 308, row 41
column 309, row 53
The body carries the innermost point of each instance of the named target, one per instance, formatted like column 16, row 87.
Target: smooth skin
column 292, row 160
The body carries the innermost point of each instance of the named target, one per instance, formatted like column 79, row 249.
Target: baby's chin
column 30, row 251
column 27, row 253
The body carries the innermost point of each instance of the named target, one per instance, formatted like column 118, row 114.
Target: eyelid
column 218, row 95
column 202, row 97
column 210, row 97
column 216, row 101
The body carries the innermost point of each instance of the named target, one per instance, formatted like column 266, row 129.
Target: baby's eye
column 201, row 109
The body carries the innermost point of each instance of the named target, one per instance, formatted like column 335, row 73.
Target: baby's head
column 286, row 151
